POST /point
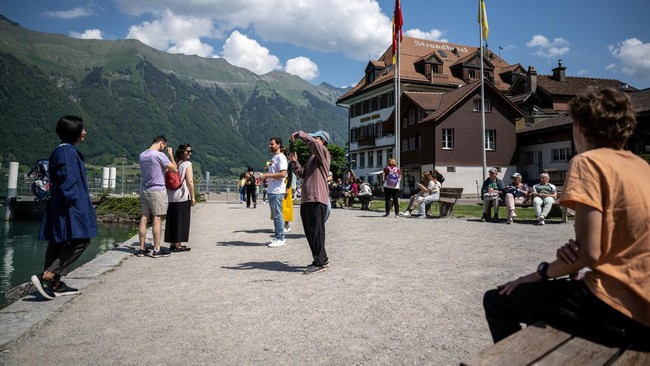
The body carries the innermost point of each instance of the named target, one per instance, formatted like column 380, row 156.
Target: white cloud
column 302, row 67
column 88, row 34
column 583, row 72
column 549, row 49
column 355, row 28
column 610, row 67
column 634, row 56
column 433, row 35
column 242, row 51
column 175, row 34
column 69, row 14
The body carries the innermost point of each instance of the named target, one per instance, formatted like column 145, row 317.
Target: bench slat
column 578, row 352
column 633, row 358
column 521, row 348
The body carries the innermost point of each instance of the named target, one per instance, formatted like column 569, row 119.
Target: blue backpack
column 41, row 184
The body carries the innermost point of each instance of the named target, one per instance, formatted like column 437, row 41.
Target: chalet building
column 450, row 124
column 544, row 135
column 425, row 67
column 548, row 145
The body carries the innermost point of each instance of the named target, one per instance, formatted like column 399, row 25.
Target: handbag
column 172, row 180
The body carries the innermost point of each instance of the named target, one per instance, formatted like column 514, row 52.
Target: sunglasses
column 188, row 151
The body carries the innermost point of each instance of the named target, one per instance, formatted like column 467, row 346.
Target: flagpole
column 397, row 107
column 484, row 159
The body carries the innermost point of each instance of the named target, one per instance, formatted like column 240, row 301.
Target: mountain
column 127, row 93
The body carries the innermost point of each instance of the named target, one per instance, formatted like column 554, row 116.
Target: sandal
column 182, row 248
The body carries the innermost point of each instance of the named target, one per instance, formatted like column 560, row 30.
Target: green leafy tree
column 337, row 154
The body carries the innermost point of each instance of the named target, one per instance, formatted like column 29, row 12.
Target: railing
column 126, row 188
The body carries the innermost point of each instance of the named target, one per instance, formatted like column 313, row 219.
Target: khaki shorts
column 153, row 203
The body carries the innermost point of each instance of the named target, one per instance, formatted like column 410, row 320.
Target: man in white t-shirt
column 276, row 189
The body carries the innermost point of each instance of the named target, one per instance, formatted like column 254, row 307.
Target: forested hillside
column 128, row 93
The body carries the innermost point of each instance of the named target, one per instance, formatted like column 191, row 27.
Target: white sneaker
column 277, row 243
column 513, row 213
column 540, row 220
column 287, row 229
column 405, row 214
column 509, row 221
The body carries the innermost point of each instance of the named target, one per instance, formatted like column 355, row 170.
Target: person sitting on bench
column 544, row 195
column 429, row 192
column 607, row 187
column 365, row 194
column 490, row 192
column 516, row 193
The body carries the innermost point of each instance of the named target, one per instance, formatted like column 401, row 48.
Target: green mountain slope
column 128, row 93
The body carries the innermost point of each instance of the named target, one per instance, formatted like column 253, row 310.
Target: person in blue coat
column 70, row 220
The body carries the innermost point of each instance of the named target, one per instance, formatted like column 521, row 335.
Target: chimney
column 559, row 73
column 531, row 78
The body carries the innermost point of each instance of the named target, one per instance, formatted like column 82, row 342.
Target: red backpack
column 172, row 180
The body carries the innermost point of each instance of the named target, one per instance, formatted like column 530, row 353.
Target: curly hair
column 605, row 114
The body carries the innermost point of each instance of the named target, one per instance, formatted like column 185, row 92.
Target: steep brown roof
column 573, row 85
column 451, row 99
column 428, row 101
column 413, row 49
column 641, row 100
column 559, row 120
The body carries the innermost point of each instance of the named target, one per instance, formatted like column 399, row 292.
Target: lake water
column 22, row 254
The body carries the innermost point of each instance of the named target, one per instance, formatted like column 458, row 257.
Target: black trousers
column 251, row 195
column 391, row 194
column 60, row 256
column 313, row 222
column 565, row 305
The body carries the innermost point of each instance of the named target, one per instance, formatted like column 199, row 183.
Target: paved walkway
column 399, row 291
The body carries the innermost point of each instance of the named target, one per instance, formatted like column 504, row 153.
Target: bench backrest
column 451, row 192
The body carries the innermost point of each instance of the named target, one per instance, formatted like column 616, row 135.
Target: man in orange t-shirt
column 607, row 187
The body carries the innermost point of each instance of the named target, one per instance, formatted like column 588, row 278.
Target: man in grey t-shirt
column 153, row 194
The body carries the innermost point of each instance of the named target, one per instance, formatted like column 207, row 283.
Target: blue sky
column 332, row 40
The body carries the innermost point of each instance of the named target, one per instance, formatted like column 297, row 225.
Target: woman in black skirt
column 177, row 227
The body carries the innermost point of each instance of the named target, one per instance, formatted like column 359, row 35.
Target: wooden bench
column 556, row 210
column 448, row 198
column 542, row 345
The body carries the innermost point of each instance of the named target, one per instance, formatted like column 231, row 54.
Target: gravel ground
column 400, row 291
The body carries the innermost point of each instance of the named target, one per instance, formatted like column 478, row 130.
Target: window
column 490, row 139
column 562, row 154
column 371, row 159
column 353, row 160
column 451, row 169
column 405, row 145
column 471, row 74
column 411, row 117
column 362, row 160
column 412, row 145
column 380, row 159
column 477, row 105
column 447, row 138
column 389, row 154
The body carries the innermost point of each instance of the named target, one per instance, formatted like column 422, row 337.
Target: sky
column 332, row 40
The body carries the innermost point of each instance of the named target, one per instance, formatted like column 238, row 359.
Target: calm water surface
column 22, row 254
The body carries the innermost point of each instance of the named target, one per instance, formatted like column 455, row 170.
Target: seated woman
column 429, row 192
column 351, row 191
column 516, row 193
column 544, row 196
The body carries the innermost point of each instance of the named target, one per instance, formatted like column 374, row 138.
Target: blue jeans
column 275, row 203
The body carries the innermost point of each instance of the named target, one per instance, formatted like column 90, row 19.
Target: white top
column 278, row 164
column 182, row 194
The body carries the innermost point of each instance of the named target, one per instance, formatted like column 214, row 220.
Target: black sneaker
column 311, row 269
column 62, row 289
column 43, row 286
column 160, row 253
column 142, row 252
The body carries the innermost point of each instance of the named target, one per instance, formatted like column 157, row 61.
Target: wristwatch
column 542, row 269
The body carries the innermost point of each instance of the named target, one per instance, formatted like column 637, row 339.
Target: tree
column 337, row 154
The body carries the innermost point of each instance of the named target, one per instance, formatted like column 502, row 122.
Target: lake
column 22, row 254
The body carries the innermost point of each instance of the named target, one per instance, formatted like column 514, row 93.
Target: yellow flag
column 482, row 19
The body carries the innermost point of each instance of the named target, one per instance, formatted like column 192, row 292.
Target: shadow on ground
column 267, row 266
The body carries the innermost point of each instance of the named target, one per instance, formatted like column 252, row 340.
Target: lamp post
column 123, row 159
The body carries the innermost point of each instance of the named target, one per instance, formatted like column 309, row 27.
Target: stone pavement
column 399, row 291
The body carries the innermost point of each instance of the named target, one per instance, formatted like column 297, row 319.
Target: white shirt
column 277, row 185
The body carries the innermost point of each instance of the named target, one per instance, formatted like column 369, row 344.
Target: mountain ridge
column 128, row 93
